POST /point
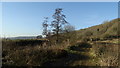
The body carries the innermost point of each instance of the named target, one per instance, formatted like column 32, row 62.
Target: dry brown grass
column 37, row 55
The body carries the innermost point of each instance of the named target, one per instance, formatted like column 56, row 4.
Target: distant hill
column 23, row 37
column 106, row 29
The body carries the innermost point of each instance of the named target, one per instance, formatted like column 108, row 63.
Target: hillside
column 23, row 37
column 108, row 28
column 70, row 51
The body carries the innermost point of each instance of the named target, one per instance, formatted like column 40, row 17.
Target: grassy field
column 91, row 53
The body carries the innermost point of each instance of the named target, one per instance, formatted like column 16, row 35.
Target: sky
column 60, row 0
column 25, row 18
column 0, row 19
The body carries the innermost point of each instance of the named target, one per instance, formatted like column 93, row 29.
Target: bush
column 88, row 33
column 85, row 39
column 72, row 47
column 80, row 46
column 32, row 57
column 84, row 45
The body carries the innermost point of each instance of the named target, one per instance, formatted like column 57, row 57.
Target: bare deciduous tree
column 68, row 28
column 45, row 26
column 70, row 33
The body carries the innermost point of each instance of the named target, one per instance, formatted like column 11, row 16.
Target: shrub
column 105, row 35
column 32, row 57
column 85, row 39
column 88, row 33
column 80, row 46
column 72, row 47
column 84, row 45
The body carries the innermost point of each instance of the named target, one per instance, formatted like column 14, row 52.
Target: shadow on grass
column 66, row 61
column 75, row 53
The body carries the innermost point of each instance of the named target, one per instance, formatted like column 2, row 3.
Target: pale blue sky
column 0, row 19
column 25, row 18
